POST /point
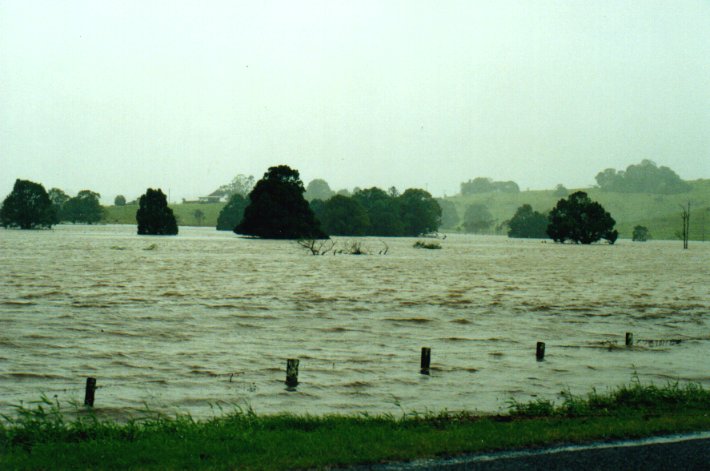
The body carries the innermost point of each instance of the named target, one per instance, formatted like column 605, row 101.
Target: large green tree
column 382, row 210
column 527, row 223
column 419, row 212
column 84, row 207
column 477, row 218
column 28, row 207
column 580, row 220
column 278, row 210
column 154, row 217
column 232, row 213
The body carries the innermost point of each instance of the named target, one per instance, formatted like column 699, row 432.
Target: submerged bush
column 426, row 245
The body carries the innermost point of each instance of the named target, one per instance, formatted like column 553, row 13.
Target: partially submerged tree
column 374, row 211
column 232, row 213
column 527, row 223
column 477, row 218
column 420, row 213
column 640, row 234
column 580, row 220
column 58, row 199
column 278, row 210
column 684, row 234
column 382, row 210
column 154, row 217
column 28, row 207
column 84, row 207
column 341, row 215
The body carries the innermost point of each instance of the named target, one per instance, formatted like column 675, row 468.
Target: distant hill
column 659, row 213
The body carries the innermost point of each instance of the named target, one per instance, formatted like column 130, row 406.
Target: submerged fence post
column 629, row 339
column 540, row 351
column 426, row 360
column 292, row 373
column 89, row 394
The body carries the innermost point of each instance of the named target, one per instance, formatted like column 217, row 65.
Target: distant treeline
column 376, row 212
column 645, row 177
column 487, row 185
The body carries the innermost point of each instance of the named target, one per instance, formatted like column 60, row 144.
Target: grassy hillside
column 659, row 213
column 185, row 214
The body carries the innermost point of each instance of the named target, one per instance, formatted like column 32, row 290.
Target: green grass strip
column 41, row 437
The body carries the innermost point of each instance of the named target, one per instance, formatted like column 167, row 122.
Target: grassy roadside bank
column 42, row 438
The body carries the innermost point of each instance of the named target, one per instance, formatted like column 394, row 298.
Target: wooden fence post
column 426, row 360
column 292, row 373
column 89, row 394
column 540, row 351
column 629, row 339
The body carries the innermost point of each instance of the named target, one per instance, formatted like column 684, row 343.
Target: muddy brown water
column 206, row 320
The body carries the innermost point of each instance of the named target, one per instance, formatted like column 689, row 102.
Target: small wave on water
column 30, row 375
column 414, row 320
column 18, row 303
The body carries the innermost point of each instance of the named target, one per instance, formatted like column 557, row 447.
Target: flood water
column 208, row 319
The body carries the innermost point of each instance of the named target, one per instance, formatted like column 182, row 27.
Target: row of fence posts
column 292, row 369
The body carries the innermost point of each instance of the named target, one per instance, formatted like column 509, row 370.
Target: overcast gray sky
column 118, row 96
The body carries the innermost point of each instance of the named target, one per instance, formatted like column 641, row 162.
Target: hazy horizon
column 119, row 97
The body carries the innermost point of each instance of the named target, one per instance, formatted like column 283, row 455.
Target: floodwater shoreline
column 40, row 437
column 207, row 318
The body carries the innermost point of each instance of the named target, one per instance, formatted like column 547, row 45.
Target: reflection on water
column 209, row 318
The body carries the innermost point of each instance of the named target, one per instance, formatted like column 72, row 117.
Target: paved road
column 688, row 452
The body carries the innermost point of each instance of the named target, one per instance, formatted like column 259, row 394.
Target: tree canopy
column 487, row 185
column 120, row 200
column 382, row 210
column 580, row 220
column 560, row 191
column 278, row 210
column 527, row 223
column 375, row 212
column 449, row 214
column 318, row 189
column 645, row 177
column 84, row 207
column 154, row 217
column 420, row 213
column 477, row 218
column 240, row 184
column 341, row 215
column 232, row 213
column 640, row 234
column 28, row 207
